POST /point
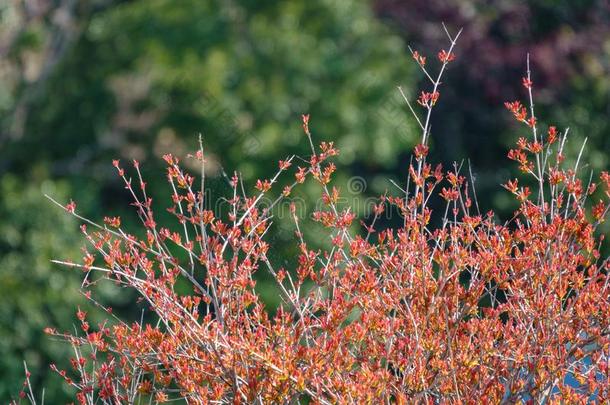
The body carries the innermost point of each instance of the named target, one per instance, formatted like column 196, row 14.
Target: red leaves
column 511, row 186
column 121, row 172
column 552, row 135
column 427, row 99
column 599, row 210
column 207, row 217
column 81, row 315
column 169, row 159
column 523, row 193
column 514, row 106
column 114, row 222
column 420, row 151
column 445, row 57
column 328, row 149
column 518, row 110
column 71, row 207
column 305, row 118
column 300, row 175
column 556, row 176
column 449, row 194
column 524, row 164
column 332, row 197
column 263, row 186
column 421, row 60
column 446, row 302
column 531, row 122
column 324, row 177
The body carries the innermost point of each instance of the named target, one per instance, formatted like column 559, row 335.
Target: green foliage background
column 84, row 83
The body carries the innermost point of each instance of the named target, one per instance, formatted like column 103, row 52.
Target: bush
column 472, row 308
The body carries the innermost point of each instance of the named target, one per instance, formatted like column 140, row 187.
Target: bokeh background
column 86, row 81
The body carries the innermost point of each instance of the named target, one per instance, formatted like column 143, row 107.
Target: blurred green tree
column 149, row 76
column 34, row 292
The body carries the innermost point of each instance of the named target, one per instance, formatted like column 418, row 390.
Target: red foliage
column 470, row 310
